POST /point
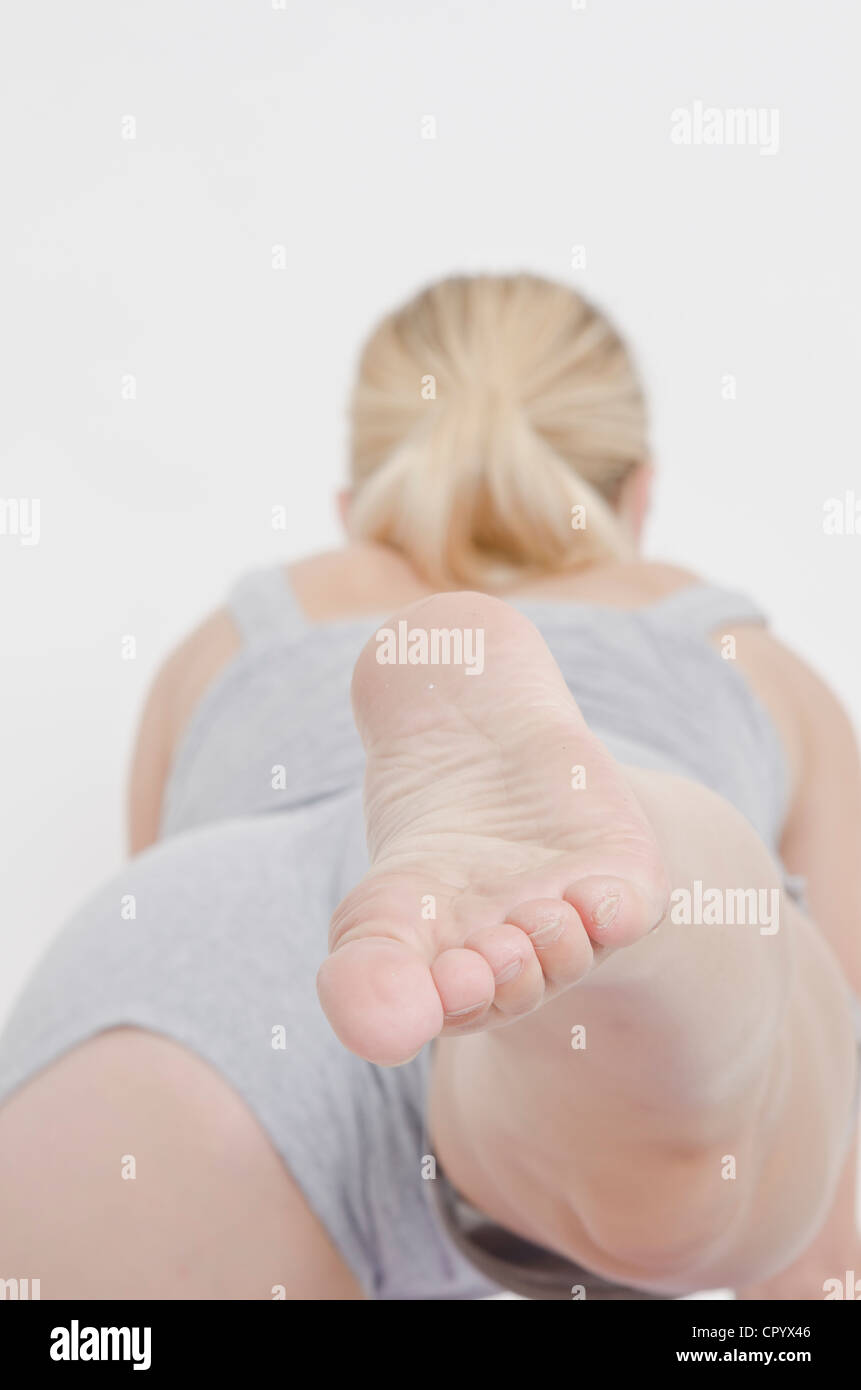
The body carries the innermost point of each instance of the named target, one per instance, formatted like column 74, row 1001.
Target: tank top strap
column 264, row 606
column 701, row 609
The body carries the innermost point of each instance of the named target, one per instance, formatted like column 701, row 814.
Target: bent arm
column 174, row 695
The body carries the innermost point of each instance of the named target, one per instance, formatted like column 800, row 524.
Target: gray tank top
column 275, row 730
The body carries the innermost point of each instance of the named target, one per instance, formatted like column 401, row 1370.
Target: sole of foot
column 509, row 854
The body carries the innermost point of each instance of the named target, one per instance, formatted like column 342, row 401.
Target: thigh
column 130, row 1168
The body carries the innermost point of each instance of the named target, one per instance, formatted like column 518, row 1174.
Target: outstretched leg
column 677, row 1118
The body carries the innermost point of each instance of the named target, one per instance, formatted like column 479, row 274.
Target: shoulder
column 193, row 665
column 172, row 698
column 812, row 722
column 333, row 580
column 809, row 716
column 810, row 695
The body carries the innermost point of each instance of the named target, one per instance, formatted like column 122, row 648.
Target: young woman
column 584, row 1032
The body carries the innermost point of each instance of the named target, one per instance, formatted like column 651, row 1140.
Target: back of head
column 494, row 421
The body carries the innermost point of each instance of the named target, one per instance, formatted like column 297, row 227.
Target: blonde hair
column 485, row 411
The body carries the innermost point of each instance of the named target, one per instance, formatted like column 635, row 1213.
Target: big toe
column 380, row 998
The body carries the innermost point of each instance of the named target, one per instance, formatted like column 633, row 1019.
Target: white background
column 301, row 127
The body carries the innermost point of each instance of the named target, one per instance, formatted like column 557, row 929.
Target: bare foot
column 508, row 852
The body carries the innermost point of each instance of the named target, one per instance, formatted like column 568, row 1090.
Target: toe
column 465, row 985
column 555, row 932
column 380, row 998
column 517, row 976
column 614, row 911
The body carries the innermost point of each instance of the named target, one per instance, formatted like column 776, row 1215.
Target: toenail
column 607, row 908
column 461, row 1013
column 509, row 971
column 548, row 933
